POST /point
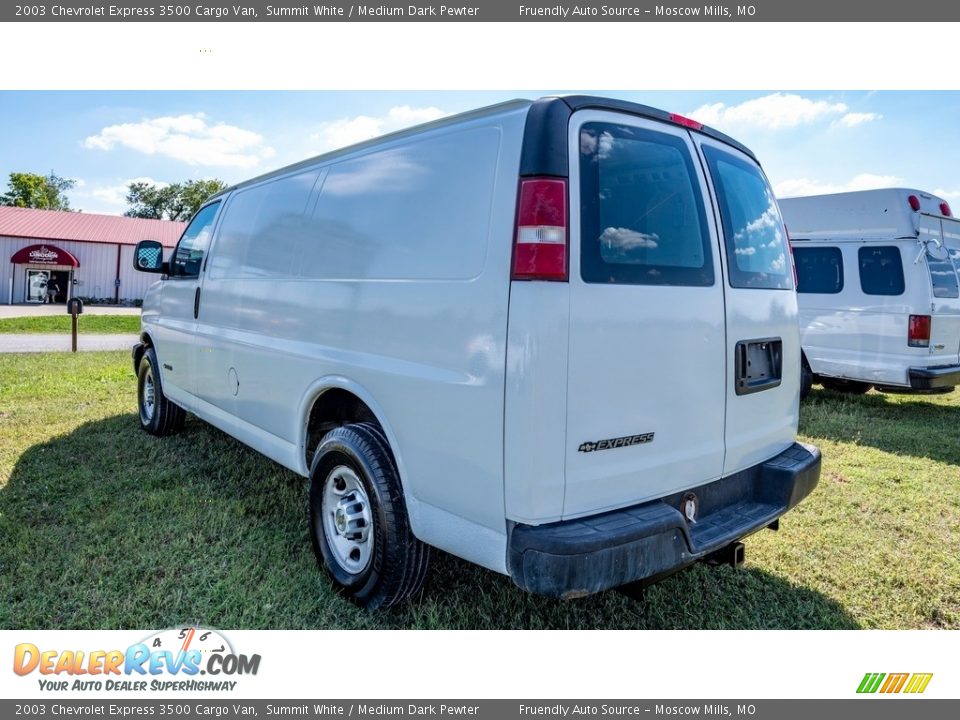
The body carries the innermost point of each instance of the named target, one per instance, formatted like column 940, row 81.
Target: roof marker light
column 914, row 202
column 945, row 209
column 686, row 122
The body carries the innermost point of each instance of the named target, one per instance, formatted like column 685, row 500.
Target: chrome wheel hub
column 149, row 396
column 347, row 520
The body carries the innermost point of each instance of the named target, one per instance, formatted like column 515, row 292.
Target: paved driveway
column 61, row 342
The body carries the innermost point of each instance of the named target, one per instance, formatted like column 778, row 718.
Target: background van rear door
column 763, row 337
column 647, row 366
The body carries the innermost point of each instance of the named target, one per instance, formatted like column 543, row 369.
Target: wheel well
column 333, row 408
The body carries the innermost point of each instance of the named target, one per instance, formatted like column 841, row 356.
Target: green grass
column 103, row 526
column 93, row 324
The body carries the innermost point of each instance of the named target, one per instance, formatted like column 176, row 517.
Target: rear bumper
column 934, row 377
column 579, row 557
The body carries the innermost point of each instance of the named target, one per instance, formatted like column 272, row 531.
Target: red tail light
column 945, row 209
column 914, row 202
column 541, row 237
column 685, row 121
column 918, row 331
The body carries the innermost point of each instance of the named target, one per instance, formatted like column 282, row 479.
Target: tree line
column 176, row 201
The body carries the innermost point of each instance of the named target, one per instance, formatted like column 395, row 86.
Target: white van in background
column 878, row 289
column 555, row 338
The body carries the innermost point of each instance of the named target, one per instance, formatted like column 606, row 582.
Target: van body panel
column 643, row 358
column 760, row 424
column 535, row 419
column 432, row 350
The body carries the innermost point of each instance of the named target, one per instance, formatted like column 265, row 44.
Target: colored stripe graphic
column 918, row 682
column 894, row 683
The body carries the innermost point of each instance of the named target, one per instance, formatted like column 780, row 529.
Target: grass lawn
column 103, row 526
column 94, row 324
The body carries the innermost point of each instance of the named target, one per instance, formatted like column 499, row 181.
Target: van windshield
column 752, row 227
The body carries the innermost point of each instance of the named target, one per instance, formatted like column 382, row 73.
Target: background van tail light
column 945, row 209
column 541, row 237
column 918, row 331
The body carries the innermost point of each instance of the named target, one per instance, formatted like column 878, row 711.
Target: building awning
column 44, row 255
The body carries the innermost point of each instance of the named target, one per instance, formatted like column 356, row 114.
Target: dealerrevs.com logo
column 179, row 659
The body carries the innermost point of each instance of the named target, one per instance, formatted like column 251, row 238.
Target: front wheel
column 158, row 416
column 358, row 521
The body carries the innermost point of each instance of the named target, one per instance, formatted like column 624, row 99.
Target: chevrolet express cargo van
column 878, row 290
column 556, row 338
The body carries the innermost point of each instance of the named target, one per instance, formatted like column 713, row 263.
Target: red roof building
column 52, row 255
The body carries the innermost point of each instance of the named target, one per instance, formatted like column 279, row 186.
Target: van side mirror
column 148, row 257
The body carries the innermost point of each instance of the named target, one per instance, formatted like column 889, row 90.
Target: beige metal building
column 56, row 255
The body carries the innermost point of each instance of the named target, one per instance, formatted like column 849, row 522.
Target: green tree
column 178, row 201
column 31, row 190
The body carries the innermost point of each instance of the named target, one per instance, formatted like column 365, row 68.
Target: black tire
column 850, row 387
column 806, row 378
column 164, row 417
column 358, row 458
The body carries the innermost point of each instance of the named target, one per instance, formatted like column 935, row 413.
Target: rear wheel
column 158, row 416
column 851, row 387
column 358, row 521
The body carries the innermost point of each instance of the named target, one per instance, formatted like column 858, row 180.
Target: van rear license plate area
column 759, row 365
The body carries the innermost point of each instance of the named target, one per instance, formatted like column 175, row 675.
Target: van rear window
column 819, row 270
column 943, row 276
column 881, row 270
column 752, row 227
column 642, row 215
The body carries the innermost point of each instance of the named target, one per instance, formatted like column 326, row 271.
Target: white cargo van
column 878, row 290
column 556, row 338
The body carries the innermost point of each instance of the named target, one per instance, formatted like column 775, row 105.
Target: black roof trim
column 545, row 136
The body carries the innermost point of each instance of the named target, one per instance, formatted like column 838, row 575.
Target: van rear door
column 647, row 365
column 763, row 337
column 941, row 238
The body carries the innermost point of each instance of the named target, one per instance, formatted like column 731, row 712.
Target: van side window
column 819, row 270
column 881, row 270
column 943, row 275
column 188, row 256
column 643, row 220
column 752, row 227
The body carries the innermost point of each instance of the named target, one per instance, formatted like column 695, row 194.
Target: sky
column 808, row 142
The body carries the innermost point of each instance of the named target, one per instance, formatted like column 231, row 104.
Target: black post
column 73, row 318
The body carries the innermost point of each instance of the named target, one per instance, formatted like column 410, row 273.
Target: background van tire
column 806, row 378
column 158, row 415
column 358, row 520
column 851, row 387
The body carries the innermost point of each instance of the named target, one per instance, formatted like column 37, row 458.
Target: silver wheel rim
column 347, row 522
column 149, row 396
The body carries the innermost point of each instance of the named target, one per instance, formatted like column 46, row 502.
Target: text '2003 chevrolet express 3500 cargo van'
column 556, row 338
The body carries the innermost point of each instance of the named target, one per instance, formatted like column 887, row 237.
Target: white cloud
column 853, row 119
column 773, row 112
column 797, row 187
column 947, row 194
column 348, row 131
column 117, row 194
column 626, row 239
column 189, row 138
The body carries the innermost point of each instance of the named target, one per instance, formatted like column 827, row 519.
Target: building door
column 60, row 282
column 37, row 285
